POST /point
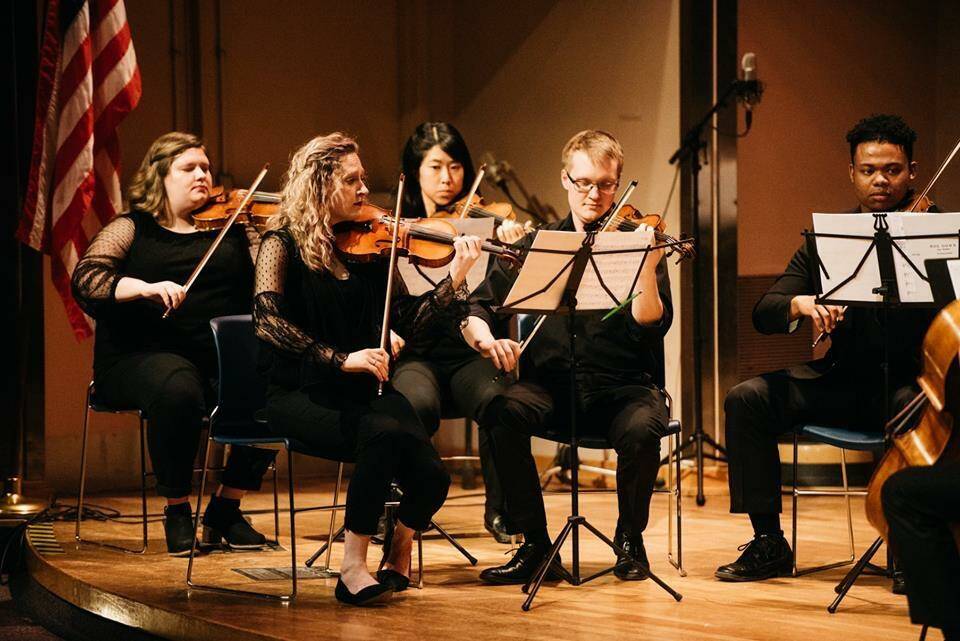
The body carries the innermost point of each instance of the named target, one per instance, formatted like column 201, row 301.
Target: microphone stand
column 690, row 146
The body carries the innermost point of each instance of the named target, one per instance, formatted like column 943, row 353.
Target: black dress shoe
column 367, row 596
column 899, row 585
column 178, row 528
column 523, row 566
column 765, row 557
column 497, row 526
column 626, row 570
column 396, row 581
column 223, row 520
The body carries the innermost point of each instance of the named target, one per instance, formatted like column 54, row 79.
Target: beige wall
column 827, row 64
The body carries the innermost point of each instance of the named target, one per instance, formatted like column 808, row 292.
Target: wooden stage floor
column 149, row 591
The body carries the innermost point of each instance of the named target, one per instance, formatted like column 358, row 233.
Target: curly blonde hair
column 308, row 190
column 145, row 192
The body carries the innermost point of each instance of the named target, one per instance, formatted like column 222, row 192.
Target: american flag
column 89, row 81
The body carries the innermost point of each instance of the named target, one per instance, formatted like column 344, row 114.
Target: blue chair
column 94, row 405
column 845, row 440
column 235, row 421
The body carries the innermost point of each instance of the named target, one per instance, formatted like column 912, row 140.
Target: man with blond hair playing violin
column 619, row 365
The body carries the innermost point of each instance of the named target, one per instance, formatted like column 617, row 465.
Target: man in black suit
column 845, row 388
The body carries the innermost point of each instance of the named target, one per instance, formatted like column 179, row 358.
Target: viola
column 628, row 218
column 222, row 204
column 424, row 241
column 933, row 438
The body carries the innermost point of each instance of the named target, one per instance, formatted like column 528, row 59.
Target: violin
column 933, row 438
column 424, row 241
column 628, row 218
column 221, row 205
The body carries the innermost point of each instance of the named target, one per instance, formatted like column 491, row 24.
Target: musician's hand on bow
column 466, row 252
column 824, row 317
column 167, row 293
column 373, row 361
column 502, row 351
column 511, row 231
column 396, row 344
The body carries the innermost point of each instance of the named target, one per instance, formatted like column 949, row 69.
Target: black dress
column 167, row 368
column 309, row 322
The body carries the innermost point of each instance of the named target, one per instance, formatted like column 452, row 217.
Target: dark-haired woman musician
column 129, row 275
column 320, row 321
column 442, row 371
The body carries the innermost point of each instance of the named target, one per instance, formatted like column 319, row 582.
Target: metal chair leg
column 674, row 480
column 83, row 468
column 846, row 492
column 143, row 480
column 796, row 497
column 276, row 506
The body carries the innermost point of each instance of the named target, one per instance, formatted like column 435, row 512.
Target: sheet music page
column 953, row 268
column 913, row 289
column 617, row 270
column 840, row 256
column 539, row 268
column 417, row 284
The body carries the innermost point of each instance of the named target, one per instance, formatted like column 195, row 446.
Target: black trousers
column 919, row 502
column 632, row 417
column 175, row 395
column 760, row 409
column 464, row 388
column 384, row 439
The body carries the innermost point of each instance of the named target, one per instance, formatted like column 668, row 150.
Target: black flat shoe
column 523, row 566
column 765, row 557
column 392, row 578
column 625, row 570
column 497, row 526
column 178, row 529
column 367, row 596
column 223, row 520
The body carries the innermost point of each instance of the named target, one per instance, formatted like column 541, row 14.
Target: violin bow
column 385, row 327
column 223, row 232
column 473, row 190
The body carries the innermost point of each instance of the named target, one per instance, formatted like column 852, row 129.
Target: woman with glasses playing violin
column 619, row 365
column 131, row 273
column 319, row 319
column 441, row 372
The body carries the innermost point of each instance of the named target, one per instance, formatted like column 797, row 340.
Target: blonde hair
column 598, row 145
column 309, row 186
column 146, row 192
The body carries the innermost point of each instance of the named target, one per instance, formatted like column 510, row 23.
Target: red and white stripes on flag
column 89, row 81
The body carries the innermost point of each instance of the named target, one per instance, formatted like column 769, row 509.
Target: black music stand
column 573, row 271
column 884, row 245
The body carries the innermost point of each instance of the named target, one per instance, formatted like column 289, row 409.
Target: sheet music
column 840, row 256
column 417, row 284
column 913, row 289
column 618, row 271
column 953, row 268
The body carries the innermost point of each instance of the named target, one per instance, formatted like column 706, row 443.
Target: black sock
column 766, row 524
column 538, row 537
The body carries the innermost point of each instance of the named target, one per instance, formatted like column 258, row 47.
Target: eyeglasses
column 584, row 186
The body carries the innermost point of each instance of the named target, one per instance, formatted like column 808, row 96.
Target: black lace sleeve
column 444, row 305
column 96, row 276
column 269, row 321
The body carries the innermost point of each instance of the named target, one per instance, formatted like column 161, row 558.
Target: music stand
column 552, row 278
column 883, row 247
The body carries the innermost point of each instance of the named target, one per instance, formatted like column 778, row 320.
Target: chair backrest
column 242, row 390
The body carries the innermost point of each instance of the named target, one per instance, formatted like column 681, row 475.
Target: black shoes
column 765, row 557
column 224, row 520
column 178, row 528
column 496, row 525
column 626, row 570
column 396, row 581
column 523, row 566
column 899, row 585
column 367, row 596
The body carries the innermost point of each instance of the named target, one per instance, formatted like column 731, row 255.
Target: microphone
column 497, row 170
column 750, row 90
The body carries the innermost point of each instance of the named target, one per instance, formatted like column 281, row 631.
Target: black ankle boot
column 223, row 520
column 523, row 566
column 635, row 551
column 178, row 528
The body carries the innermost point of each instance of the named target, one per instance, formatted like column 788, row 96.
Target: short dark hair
column 426, row 136
column 882, row 128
